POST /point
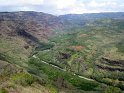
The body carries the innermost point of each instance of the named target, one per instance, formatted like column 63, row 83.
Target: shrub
column 112, row 90
column 2, row 90
column 23, row 79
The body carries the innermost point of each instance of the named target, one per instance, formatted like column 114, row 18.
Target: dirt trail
column 63, row 69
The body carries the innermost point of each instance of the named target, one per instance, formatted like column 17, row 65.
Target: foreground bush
column 23, row 79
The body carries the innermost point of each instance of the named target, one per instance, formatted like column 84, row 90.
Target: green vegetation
column 112, row 90
column 81, row 57
column 80, row 50
column 120, row 46
column 23, row 79
column 44, row 46
column 13, row 50
column 54, row 74
column 2, row 90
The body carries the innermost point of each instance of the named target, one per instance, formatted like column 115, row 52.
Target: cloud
column 122, row 5
column 58, row 7
column 20, row 2
column 94, row 3
column 65, row 3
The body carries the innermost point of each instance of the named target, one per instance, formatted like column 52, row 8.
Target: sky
column 60, row 7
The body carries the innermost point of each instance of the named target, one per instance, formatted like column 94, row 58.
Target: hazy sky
column 58, row 7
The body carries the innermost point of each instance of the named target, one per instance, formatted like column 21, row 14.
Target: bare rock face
column 29, row 25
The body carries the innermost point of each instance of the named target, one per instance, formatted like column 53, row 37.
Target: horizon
column 56, row 15
column 59, row 7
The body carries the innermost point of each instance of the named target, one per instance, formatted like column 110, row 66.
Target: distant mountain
column 30, row 25
column 81, row 19
column 38, row 25
column 93, row 16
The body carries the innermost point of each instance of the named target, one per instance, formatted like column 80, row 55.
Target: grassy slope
column 13, row 51
column 14, row 48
